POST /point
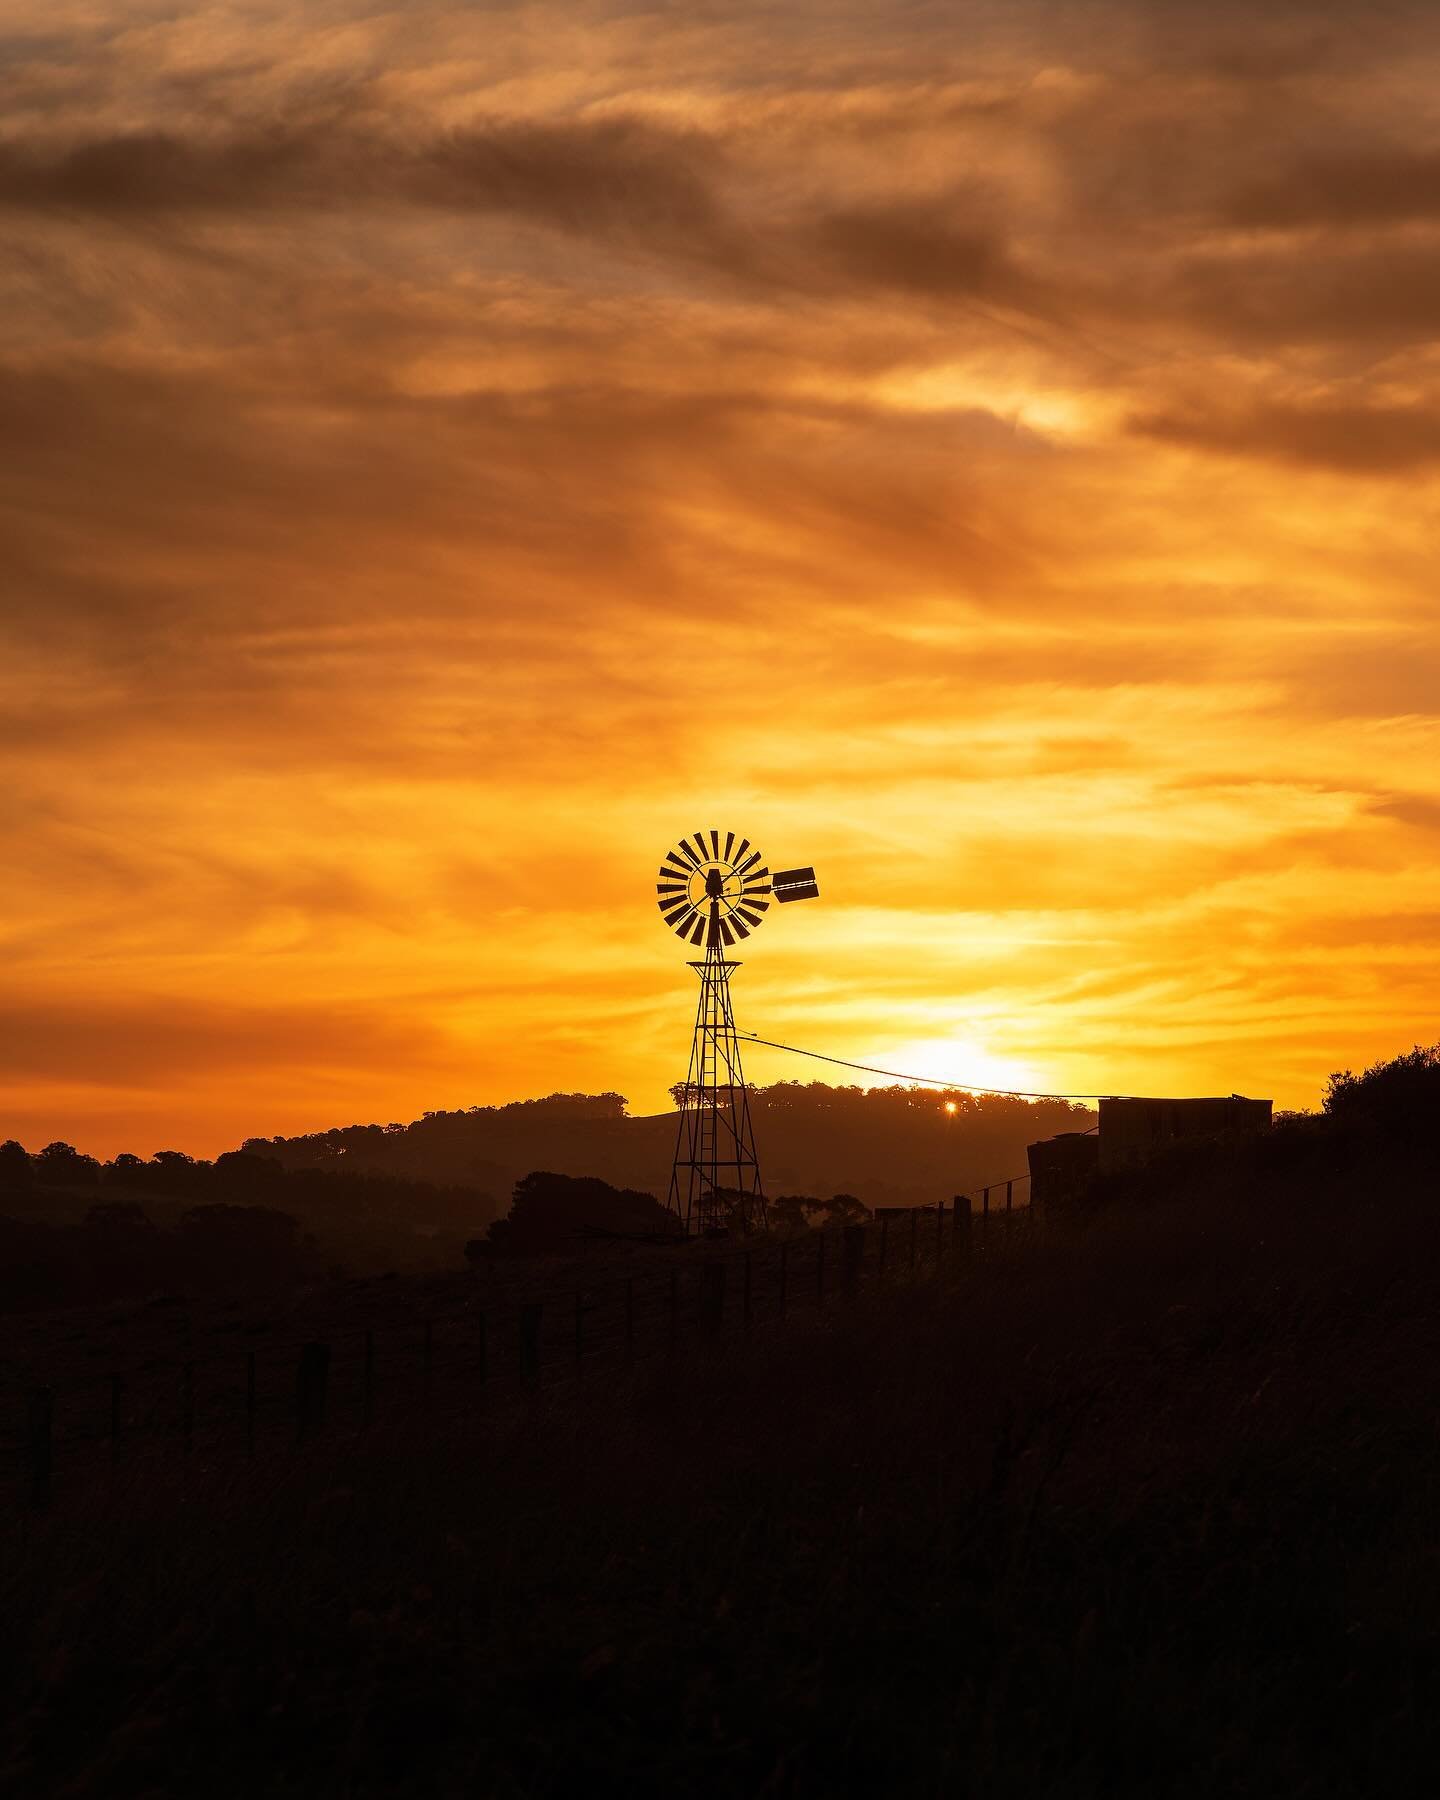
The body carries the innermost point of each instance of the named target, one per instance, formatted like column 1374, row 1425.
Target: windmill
column 713, row 891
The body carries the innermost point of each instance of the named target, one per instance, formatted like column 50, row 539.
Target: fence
column 260, row 1399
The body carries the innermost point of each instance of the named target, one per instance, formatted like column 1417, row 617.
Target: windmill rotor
column 713, row 888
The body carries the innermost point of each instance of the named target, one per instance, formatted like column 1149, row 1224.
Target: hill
column 893, row 1146
column 366, row 1199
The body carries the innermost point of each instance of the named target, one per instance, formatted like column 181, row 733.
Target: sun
column 960, row 1062
column 951, row 1107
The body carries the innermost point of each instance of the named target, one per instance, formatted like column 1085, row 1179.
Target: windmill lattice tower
column 713, row 890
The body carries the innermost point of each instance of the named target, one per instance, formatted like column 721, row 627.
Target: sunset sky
column 987, row 451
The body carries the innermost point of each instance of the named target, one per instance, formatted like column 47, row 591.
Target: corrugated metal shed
column 1132, row 1131
column 1061, row 1166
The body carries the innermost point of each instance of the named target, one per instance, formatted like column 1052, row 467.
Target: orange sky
column 986, row 451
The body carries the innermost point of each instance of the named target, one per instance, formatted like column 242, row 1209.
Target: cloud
column 1354, row 439
column 448, row 454
column 157, row 1039
column 1418, row 810
column 1365, row 187
column 920, row 249
column 609, row 174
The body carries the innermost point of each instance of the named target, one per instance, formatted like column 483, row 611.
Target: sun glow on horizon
column 959, row 1063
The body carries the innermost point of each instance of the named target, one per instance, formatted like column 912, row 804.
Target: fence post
column 42, row 1443
column 939, row 1236
column 914, row 1229
column 852, row 1256
column 784, row 1271
column 712, row 1298
column 629, row 1318
column 530, row 1317
column 746, row 1307
column 250, row 1402
column 961, row 1222
column 187, row 1405
column 117, row 1402
column 1010, row 1196
column 310, row 1390
column 884, row 1236
column 985, row 1209
column 820, row 1268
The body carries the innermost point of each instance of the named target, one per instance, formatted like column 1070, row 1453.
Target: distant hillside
column 73, row 1229
column 372, row 1198
column 888, row 1146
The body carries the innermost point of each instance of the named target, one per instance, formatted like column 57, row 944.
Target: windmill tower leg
column 715, row 1179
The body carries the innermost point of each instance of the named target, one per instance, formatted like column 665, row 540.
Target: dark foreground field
column 1149, row 1506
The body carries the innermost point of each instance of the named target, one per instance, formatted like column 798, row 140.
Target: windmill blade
column 760, row 887
column 795, row 884
column 741, row 928
column 679, row 920
column 698, row 933
column 671, row 887
column 687, row 857
column 699, row 838
column 749, row 862
column 745, row 913
column 726, row 934
column 715, row 845
column 729, row 844
column 677, row 865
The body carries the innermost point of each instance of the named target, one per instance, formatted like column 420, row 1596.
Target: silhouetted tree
column 241, row 1171
column 126, row 1171
column 790, row 1213
column 16, row 1170
column 1400, row 1096
column 845, row 1209
column 173, row 1172
column 62, row 1165
column 557, row 1212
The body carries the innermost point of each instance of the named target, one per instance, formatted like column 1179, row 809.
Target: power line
column 967, row 1087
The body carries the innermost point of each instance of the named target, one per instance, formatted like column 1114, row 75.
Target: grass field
column 1148, row 1505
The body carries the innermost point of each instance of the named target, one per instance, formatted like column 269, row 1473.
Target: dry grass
column 1149, row 1507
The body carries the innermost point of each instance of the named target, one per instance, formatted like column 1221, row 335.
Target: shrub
column 1400, row 1097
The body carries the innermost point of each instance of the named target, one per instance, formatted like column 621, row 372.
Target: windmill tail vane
column 714, row 890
